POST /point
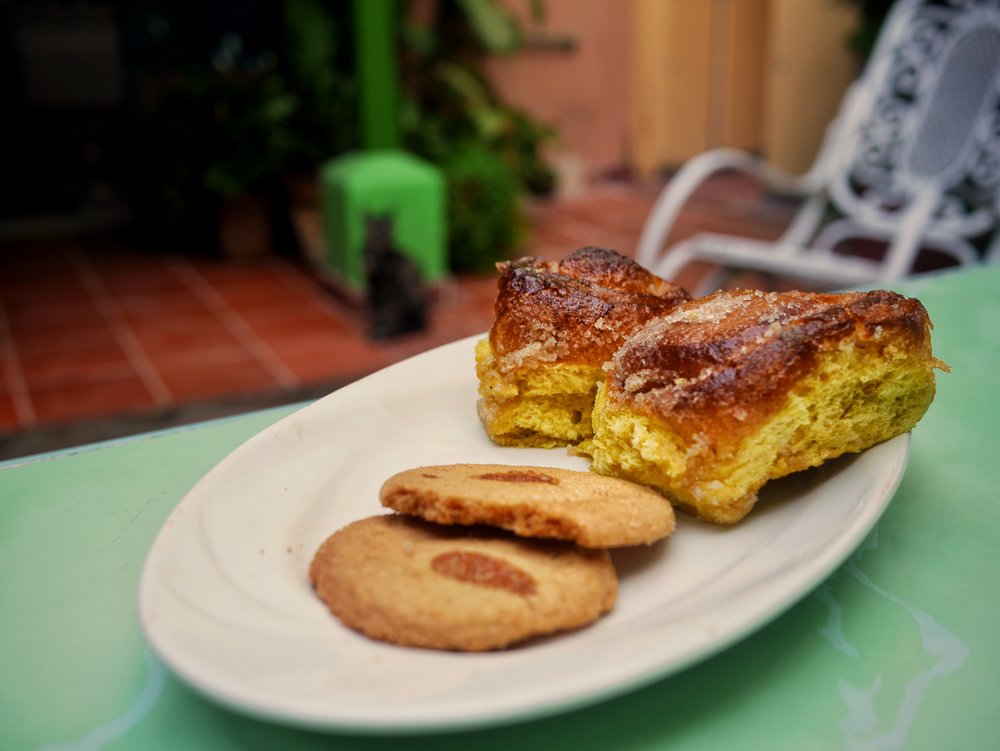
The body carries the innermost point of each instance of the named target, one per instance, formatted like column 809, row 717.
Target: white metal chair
column 912, row 160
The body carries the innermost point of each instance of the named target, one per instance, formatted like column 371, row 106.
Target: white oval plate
column 225, row 601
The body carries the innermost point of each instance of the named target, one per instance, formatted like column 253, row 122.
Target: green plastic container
column 387, row 182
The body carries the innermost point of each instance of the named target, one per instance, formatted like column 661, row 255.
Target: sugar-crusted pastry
column 728, row 391
column 556, row 324
column 405, row 581
column 592, row 510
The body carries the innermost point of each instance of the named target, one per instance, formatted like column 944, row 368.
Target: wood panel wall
column 761, row 75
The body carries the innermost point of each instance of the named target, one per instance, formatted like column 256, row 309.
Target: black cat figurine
column 397, row 298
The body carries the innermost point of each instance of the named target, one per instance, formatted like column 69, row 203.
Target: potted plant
column 490, row 152
column 214, row 141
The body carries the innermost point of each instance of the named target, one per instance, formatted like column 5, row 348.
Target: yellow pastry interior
column 543, row 406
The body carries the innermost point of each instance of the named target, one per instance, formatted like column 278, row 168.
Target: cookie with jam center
column 413, row 583
column 591, row 510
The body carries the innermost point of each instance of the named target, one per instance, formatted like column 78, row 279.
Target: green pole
column 375, row 53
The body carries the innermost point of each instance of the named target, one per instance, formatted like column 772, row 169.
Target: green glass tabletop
column 897, row 649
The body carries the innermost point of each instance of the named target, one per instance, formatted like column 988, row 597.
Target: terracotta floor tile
column 691, row 276
column 214, row 380
column 192, row 333
column 415, row 344
column 465, row 317
column 65, row 360
column 624, row 217
column 566, row 235
column 9, row 420
column 321, row 359
column 32, row 261
column 217, row 272
column 265, row 290
column 18, row 408
column 80, row 401
column 191, row 359
column 155, row 276
column 112, row 257
column 700, row 220
column 72, row 336
column 29, row 319
column 159, row 305
column 601, row 205
column 293, row 319
column 580, row 232
column 45, row 291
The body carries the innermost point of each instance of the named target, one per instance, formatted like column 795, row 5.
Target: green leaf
column 463, row 82
column 495, row 29
column 490, row 121
column 279, row 108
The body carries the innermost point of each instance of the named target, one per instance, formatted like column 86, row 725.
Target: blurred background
column 176, row 237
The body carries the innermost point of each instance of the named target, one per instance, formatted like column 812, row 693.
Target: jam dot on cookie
column 519, row 475
column 484, row 570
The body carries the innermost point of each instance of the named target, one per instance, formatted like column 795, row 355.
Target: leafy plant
column 483, row 216
column 316, row 58
column 248, row 130
column 228, row 100
column 453, row 117
column 207, row 131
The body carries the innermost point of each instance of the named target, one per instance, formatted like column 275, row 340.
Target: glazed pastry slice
column 729, row 391
column 557, row 323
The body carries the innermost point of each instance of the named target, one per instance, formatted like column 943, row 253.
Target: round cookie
column 592, row 510
column 405, row 581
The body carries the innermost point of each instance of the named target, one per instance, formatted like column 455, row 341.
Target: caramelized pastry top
column 577, row 310
column 718, row 365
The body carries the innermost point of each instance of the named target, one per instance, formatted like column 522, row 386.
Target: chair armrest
column 694, row 172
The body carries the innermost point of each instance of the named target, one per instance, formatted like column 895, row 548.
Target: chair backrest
column 924, row 116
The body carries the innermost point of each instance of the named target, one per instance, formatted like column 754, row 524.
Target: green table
column 898, row 649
